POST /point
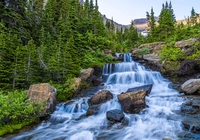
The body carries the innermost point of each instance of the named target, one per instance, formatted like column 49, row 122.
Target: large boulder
column 156, row 47
column 43, row 93
column 133, row 101
column 101, row 97
column 187, row 46
column 115, row 115
column 191, row 86
column 86, row 75
column 96, row 100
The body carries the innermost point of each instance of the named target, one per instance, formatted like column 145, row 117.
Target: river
column 155, row 122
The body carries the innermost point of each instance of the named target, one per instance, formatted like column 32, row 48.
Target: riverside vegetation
column 52, row 42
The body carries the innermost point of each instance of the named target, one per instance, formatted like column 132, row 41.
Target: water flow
column 69, row 122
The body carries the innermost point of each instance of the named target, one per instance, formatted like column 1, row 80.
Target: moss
column 11, row 128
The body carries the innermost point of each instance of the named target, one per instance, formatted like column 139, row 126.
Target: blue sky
column 123, row 11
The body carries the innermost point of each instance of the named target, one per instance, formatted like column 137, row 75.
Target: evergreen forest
column 52, row 41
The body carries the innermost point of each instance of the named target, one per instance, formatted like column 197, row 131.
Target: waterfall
column 155, row 122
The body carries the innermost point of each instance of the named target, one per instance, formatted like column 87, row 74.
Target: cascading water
column 155, row 122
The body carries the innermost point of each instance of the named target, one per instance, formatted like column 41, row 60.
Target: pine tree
column 193, row 17
column 99, row 28
column 166, row 23
column 151, row 24
column 14, row 16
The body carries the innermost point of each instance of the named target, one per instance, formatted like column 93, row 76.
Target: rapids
column 155, row 122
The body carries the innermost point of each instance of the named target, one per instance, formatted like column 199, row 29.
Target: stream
column 155, row 122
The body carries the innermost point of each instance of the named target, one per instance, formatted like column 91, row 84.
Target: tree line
column 53, row 41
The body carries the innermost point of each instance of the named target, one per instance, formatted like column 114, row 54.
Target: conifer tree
column 193, row 17
column 151, row 24
column 166, row 23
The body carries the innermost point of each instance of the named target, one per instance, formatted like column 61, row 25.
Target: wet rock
column 191, row 86
column 192, row 126
column 146, row 88
column 190, row 107
column 132, row 102
column 96, row 100
column 101, row 97
column 92, row 110
column 43, row 93
column 166, row 139
column 118, row 59
column 115, row 115
column 96, row 81
column 86, row 75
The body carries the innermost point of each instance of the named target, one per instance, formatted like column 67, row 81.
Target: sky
column 123, row 11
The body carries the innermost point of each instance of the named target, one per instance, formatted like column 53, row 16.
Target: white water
column 69, row 122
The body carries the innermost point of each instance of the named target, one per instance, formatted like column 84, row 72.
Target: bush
column 64, row 91
column 16, row 110
column 171, row 53
column 95, row 58
column 143, row 51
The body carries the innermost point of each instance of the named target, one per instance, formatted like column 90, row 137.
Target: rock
column 101, row 97
column 96, row 100
column 191, row 86
column 107, row 51
column 86, row 75
column 118, row 59
column 115, row 115
column 156, row 47
column 192, row 126
column 92, row 110
column 146, row 88
column 43, row 93
column 187, row 45
column 96, row 81
column 76, row 85
column 190, row 108
column 166, row 139
column 188, row 67
column 132, row 102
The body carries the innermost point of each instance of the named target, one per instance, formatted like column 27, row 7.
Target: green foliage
column 64, row 91
column 143, row 51
column 16, row 110
column 96, row 58
column 171, row 53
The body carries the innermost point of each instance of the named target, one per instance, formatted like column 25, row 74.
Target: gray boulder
column 43, row 93
column 187, row 46
column 191, row 86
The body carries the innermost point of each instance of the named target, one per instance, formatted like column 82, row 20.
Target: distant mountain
column 117, row 25
column 142, row 21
